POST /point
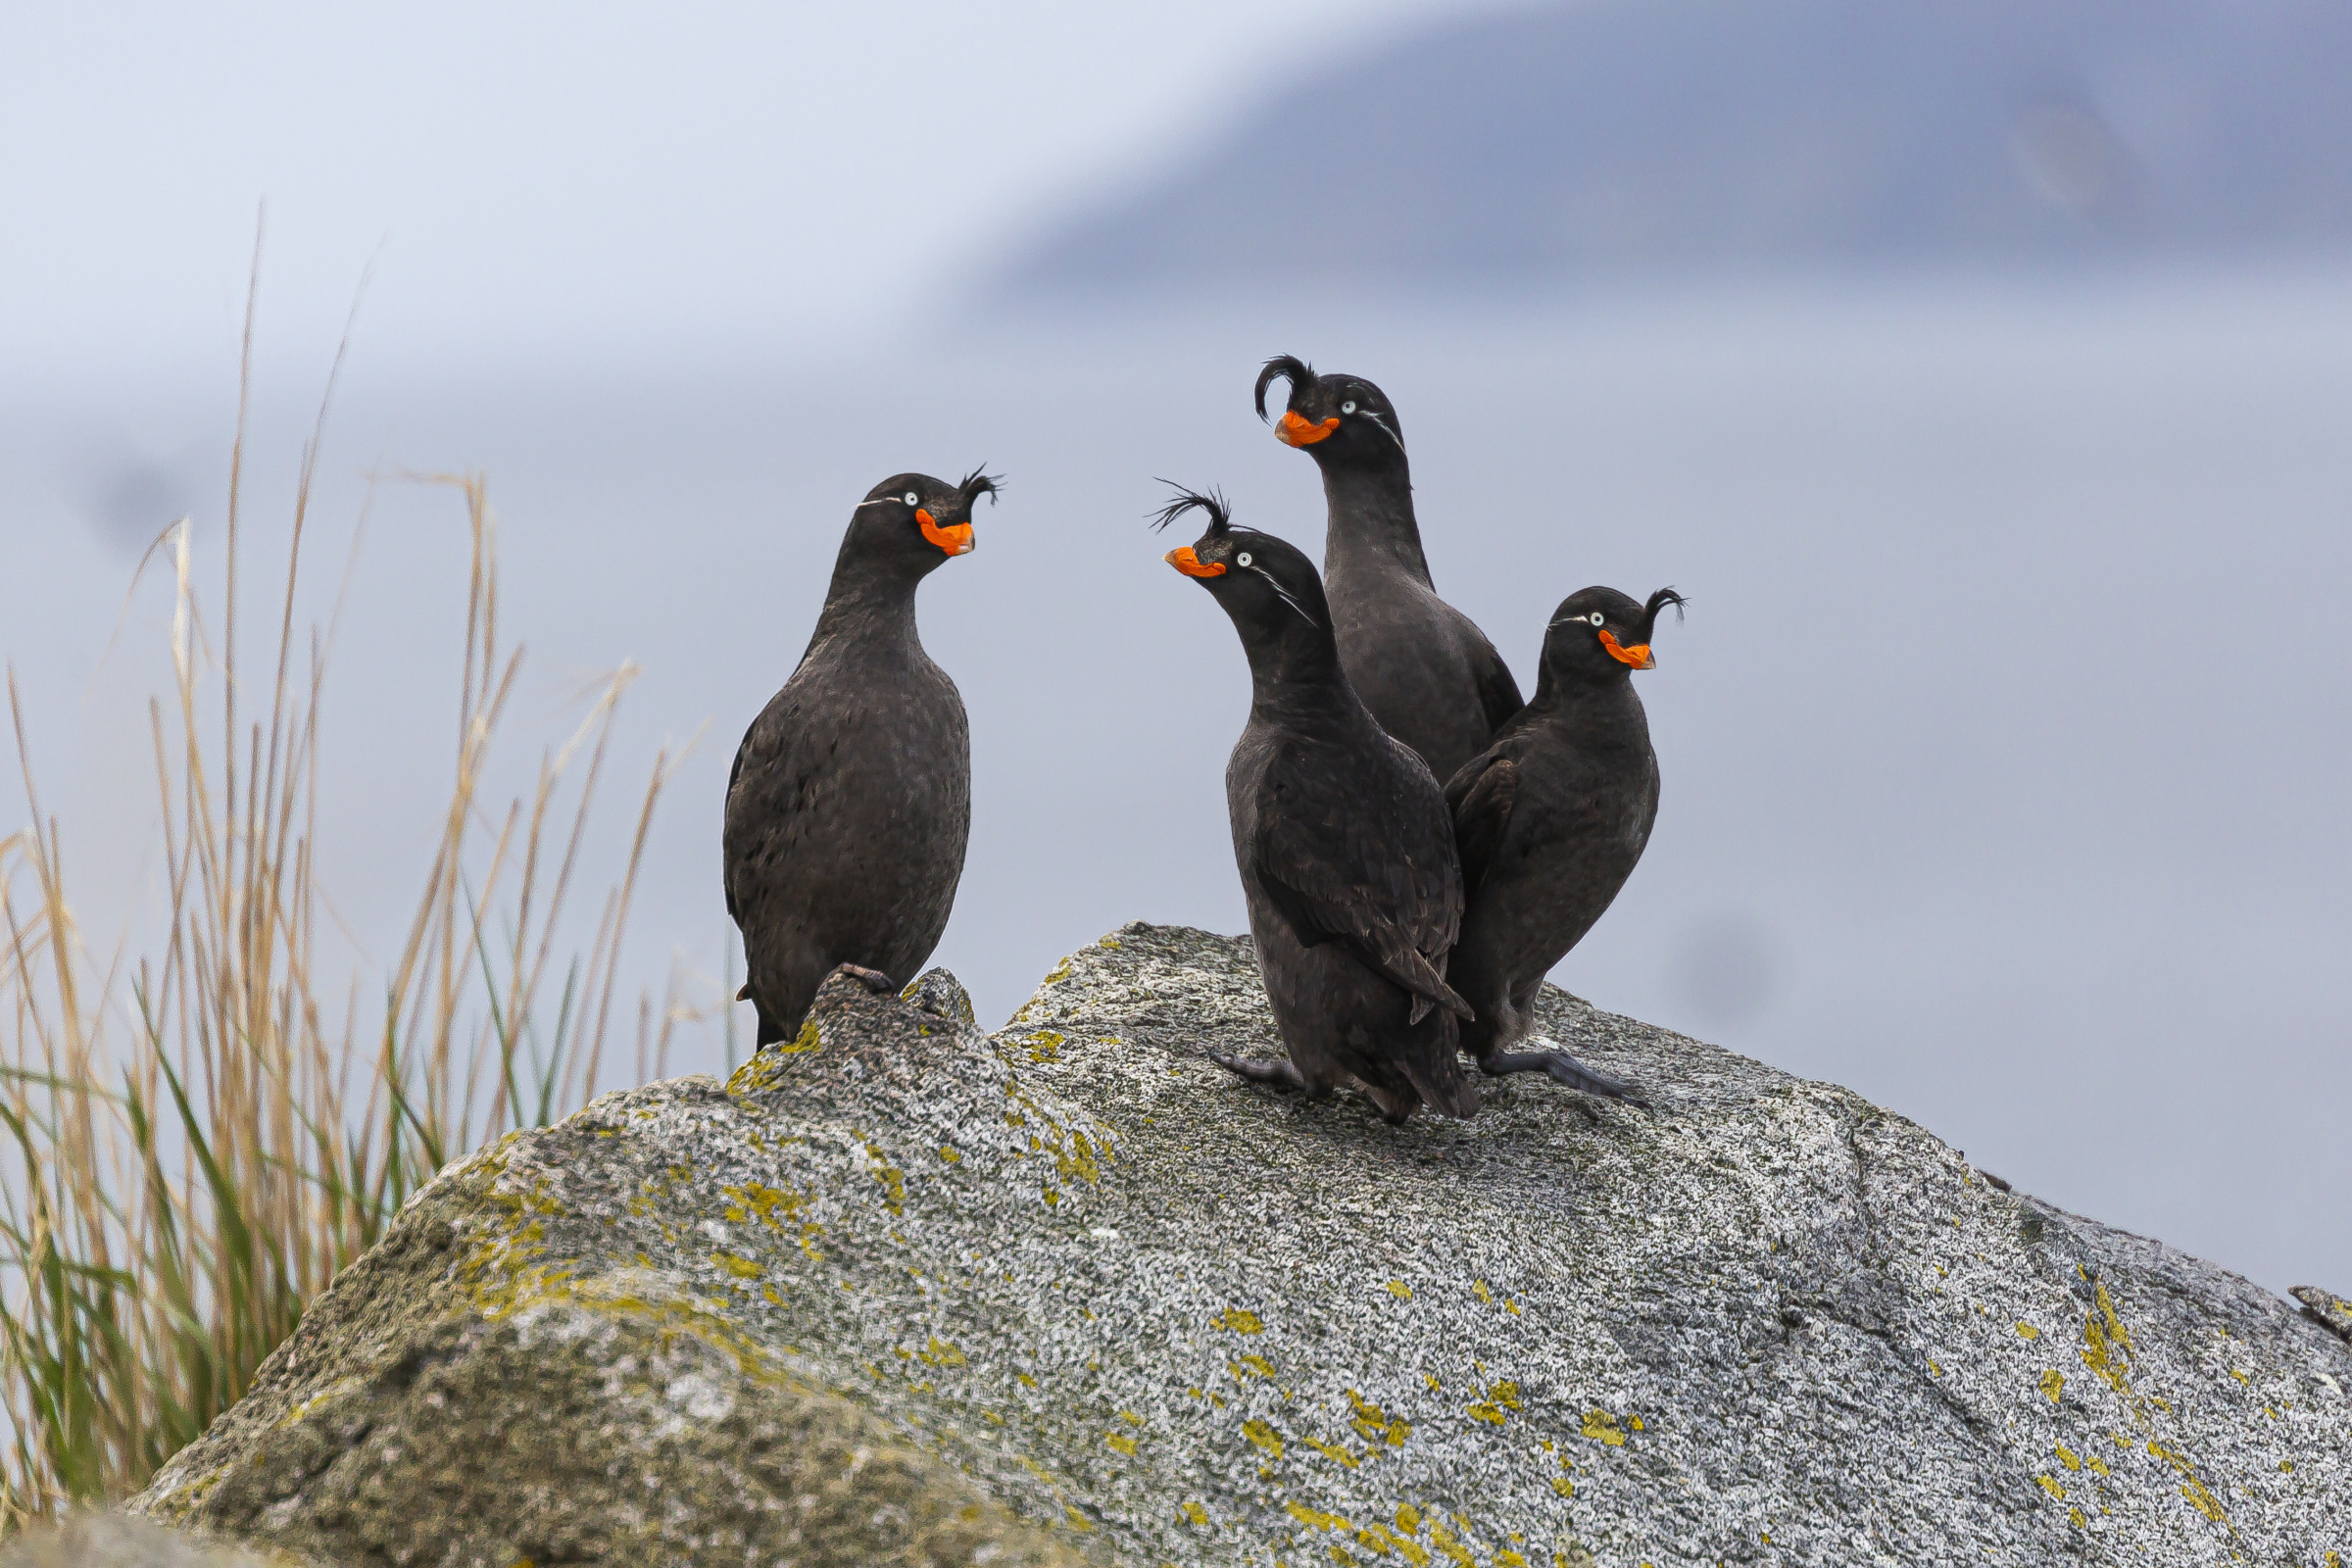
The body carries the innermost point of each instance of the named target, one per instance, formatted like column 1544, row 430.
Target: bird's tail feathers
column 1441, row 1080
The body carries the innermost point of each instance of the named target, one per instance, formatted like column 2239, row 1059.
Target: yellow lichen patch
column 1078, row 1521
column 1262, row 1436
column 1563, row 1486
column 1505, row 1557
column 2202, row 1501
column 1250, row 1366
column 893, row 1180
column 1043, row 1045
column 1375, row 1425
column 1399, row 1290
column 1478, row 1288
column 1602, row 1427
column 1120, row 1442
column 2052, row 1383
column 1239, row 1322
column 1331, row 1450
column 2067, row 1457
column 1450, row 1548
column 743, row 1268
column 1193, row 1513
column 2050, row 1485
column 1317, row 1517
column 1498, row 1398
column 2099, row 1464
column 2026, row 1330
column 939, row 1353
column 949, row 1155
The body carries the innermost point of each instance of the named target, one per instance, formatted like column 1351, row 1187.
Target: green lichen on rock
column 902, row 1291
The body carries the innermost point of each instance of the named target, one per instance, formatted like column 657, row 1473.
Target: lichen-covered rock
column 905, row 1293
column 96, row 1540
column 2326, row 1308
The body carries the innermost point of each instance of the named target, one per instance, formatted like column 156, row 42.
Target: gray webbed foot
column 1279, row 1074
column 874, row 980
column 1561, row 1068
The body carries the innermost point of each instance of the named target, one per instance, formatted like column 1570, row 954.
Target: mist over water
column 2002, row 748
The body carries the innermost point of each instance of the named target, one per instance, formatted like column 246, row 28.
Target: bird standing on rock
column 1550, row 819
column 1340, row 831
column 1422, row 666
column 852, row 795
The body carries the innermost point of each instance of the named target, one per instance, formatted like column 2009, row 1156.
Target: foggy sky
column 2002, row 749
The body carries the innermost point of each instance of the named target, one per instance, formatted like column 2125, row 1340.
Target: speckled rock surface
column 115, row 1540
column 906, row 1278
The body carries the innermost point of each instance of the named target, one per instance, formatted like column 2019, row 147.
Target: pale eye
column 910, row 497
column 1596, row 618
column 1241, row 560
column 1347, row 406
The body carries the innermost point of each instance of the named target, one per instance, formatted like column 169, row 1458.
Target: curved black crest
column 1220, row 515
column 1291, row 368
column 980, row 482
column 1649, row 612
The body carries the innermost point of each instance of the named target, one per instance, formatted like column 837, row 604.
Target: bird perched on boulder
column 1340, row 831
column 852, row 795
column 1424, row 668
column 1550, row 819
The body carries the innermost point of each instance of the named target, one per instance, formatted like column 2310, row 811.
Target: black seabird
column 1424, row 668
column 1346, row 856
column 1550, row 819
column 852, row 795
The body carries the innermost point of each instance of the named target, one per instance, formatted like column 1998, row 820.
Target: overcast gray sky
column 582, row 180
column 2003, row 749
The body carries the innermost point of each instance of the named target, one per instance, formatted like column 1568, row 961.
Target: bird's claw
column 874, row 980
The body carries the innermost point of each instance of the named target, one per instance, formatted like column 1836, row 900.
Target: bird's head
column 1335, row 419
column 920, row 522
column 1267, row 585
column 1600, row 634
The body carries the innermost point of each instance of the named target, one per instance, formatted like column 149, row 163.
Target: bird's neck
column 1295, row 671
column 1590, row 697
column 1371, row 521
column 870, row 599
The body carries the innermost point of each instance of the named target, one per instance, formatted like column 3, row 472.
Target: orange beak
column 1638, row 656
column 1294, row 432
column 956, row 541
column 1183, row 560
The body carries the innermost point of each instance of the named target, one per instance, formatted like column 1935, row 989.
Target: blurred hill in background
column 1617, row 139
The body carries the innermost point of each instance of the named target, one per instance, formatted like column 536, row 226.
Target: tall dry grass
column 195, row 1141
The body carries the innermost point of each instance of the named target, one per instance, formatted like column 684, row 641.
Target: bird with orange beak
column 1424, row 668
column 1550, row 819
column 850, row 798
column 1340, row 835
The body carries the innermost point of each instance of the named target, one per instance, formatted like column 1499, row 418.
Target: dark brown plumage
column 1340, row 836
column 1550, row 819
column 1422, row 666
column 851, row 797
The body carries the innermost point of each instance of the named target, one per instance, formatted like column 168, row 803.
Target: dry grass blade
column 192, row 1148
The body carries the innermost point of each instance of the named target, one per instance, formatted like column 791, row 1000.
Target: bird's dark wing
column 1371, row 867
column 1497, row 692
column 1482, row 796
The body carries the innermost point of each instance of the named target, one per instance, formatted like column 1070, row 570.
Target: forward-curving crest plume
column 1291, row 368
